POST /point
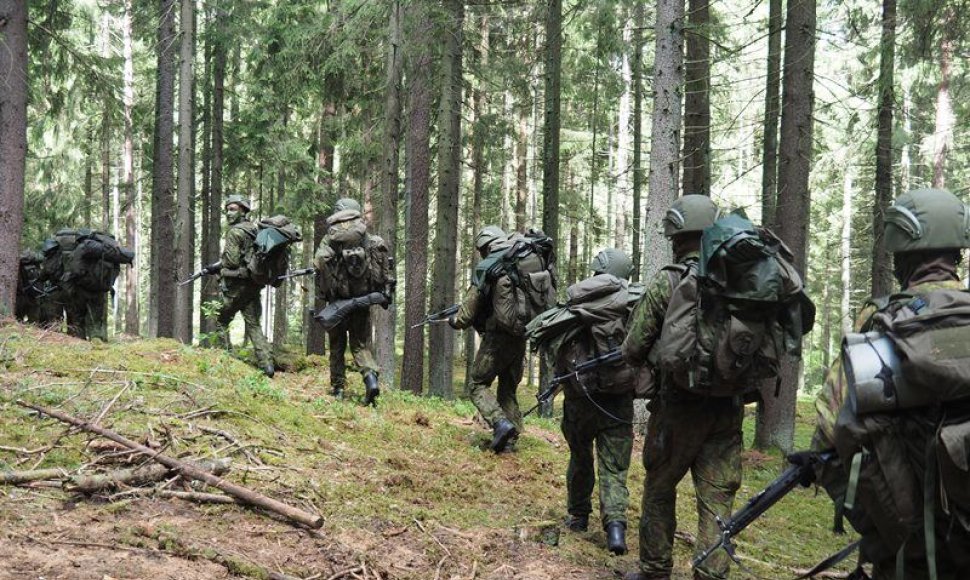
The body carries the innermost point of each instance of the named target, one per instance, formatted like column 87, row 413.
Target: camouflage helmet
column 690, row 213
column 487, row 235
column 927, row 219
column 49, row 246
column 238, row 200
column 612, row 261
column 346, row 203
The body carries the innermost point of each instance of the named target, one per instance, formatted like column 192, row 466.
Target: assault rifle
column 555, row 383
column 331, row 315
column 296, row 274
column 205, row 271
column 441, row 316
column 802, row 472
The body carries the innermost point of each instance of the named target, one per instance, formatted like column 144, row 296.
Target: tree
column 441, row 340
column 881, row 265
column 636, row 78
column 213, row 226
column 945, row 118
column 776, row 421
column 185, row 217
column 552, row 121
column 13, row 144
column 162, row 230
column 697, row 102
column 769, row 172
column 418, row 169
column 132, row 310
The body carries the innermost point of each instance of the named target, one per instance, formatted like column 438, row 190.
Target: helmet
column 238, row 200
column 49, row 246
column 488, row 235
column 927, row 219
column 690, row 213
column 612, row 261
column 346, row 203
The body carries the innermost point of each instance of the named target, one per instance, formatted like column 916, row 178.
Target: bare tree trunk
column 905, row 160
column 88, row 180
column 418, row 168
column 668, row 79
column 205, row 205
column 13, row 145
column 776, row 420
column 623, row 138
column 441, row 339
column 697, row 106
column 132, row 311
column 386, row 320
column 845, row 317
column 185, row 221
column 106, row 136
column 769, row 175
column 163, row 230
column 521, row 166
column 210, row 253
column 945, row 119
column 325, row 163
column 479, row 167
column 636, row 77
column 282, row 293
column 881, row 264
column 550, row 135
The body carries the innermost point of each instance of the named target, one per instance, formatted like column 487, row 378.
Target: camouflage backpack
column 518, row 279
column 96, row 261
column 351, row 261
column 734, row 313
column 269, row 256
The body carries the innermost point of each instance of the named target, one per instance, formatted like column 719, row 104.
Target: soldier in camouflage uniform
column 501, row 355
column 925, row 231
column 351, row 262
column 239, row 293
column 685, row 432
column 29, row 287
column 607, row 423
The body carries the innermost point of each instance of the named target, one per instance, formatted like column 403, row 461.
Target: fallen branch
column 136, row 477
column 19, row 477
column 228, row 437
column 345, row 573
column 187, row 470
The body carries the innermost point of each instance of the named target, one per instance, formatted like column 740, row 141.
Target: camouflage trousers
column 355, row 332
column 87, row 314
column 243, row 296
column 703, row 436
column 585, row 426
column 500, row 356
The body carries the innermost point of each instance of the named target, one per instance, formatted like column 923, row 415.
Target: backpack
column 734, row 313
column 269, row 257
column 353, row 263
column 96, row 261
column 518, row 280
column 904, row 431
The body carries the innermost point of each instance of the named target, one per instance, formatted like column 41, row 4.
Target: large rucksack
column 904, row 429
column 269, row 257
column 518, row 279
column 96, row 261
column 591, row 323
column 734, row 313
column 353, row 263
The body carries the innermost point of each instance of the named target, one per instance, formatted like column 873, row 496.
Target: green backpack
column 96, row 261
column 734, row 313
column 269, row 257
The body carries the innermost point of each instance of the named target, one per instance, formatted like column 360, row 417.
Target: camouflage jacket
column 235, row 251
column 468, row 312
column 647, row 319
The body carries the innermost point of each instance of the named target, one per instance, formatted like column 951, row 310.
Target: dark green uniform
column 684, row 433
column 87, row 313
column 240, row 294
column 502, row 356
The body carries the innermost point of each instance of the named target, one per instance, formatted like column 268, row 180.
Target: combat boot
column 577, row 523
column 371, row 389
column 269, row 370
column 616, row 538
column 502, row 431
column 337, row 391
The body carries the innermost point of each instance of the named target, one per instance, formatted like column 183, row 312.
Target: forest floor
column 407, row 490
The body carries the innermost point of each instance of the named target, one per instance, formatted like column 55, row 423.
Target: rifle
column 441, row 316
column 331, row 315
column 297, row 273
column 555, row 383
column 759, row 504
column 205, row 271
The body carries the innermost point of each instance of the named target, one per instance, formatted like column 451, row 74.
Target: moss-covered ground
column 407, row 490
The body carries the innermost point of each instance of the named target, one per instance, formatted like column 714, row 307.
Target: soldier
column 239, row 293
column 29, row 287
column 925, row 230
column 54, row 304
column 605, row 416
column 350, row 263
column 685, row 432
column 500, row 355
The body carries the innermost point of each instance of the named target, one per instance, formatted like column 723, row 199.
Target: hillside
column 406, row 490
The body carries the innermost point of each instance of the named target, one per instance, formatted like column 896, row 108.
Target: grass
column 365, row 470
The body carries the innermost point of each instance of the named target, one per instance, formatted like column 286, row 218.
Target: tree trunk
column 846, row 254
column 282, row 293
column 13, row 145
column 162, row 230
column 945, row 119
column 882, row 279
column 479, row 167
column 550, row 135
column 622, row 169
column 668, row 78
column 769, row 174
column 521, row 166
column 776, row 420
column 697, row 105
column 210, row 284
column 418, row 169
column 185, row 220
column 205, row 204
column 325, row 164
column 132, row 310
column 636, row 78
column 386, row 320
column 106, row 225
column 441, row 338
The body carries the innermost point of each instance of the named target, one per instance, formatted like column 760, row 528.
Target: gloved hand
column 453, row 322
column 806, row 460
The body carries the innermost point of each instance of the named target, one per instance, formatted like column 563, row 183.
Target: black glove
column 807, row 461
column 453, row 322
